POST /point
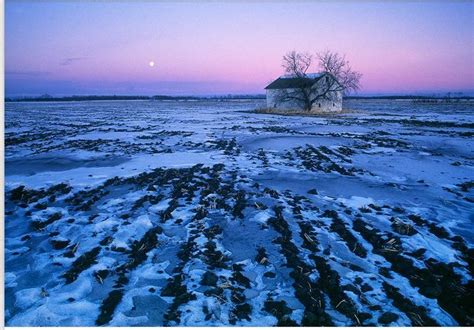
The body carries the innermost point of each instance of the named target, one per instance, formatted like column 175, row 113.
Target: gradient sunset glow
column 64, row 48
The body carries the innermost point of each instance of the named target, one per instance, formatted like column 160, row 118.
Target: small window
column 333, row 104
column 319, row 105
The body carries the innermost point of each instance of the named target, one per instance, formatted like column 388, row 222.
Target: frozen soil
column 139, row 213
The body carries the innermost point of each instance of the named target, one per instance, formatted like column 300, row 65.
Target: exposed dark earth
column 202, row 213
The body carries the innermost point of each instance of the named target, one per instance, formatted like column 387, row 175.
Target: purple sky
column 83, row 47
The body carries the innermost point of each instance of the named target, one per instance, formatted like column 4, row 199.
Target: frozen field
column 199, row 213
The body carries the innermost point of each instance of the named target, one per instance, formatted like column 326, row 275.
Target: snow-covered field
column 199, row 213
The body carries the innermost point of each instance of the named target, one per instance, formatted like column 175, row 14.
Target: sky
column 212, row 48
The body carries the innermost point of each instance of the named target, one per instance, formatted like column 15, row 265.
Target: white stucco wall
column 272, row 101
column 334, row 105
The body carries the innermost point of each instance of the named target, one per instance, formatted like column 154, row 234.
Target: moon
column 151, row 64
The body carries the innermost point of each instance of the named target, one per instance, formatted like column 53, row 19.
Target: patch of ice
column 377, row 150
column 79, row 313
column 153, row 271
column 10, row 280
column 435, row 248
column 121, row 320
column 261, row 217
column 161, row 206
column 135, row 230
column 27, row 297
column 356, row 202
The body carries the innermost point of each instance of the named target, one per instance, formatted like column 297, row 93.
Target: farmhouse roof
column 291, row 81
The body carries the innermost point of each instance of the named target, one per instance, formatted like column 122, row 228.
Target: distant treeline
column 48, row 98
column 408, row 97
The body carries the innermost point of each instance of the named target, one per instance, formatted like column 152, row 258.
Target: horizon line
column 234, row 95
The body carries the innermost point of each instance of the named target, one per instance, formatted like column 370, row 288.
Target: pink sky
column 215, row 48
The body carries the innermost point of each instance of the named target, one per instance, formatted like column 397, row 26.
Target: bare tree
column 297, row 63
column 339, row 68
column 337, row 79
